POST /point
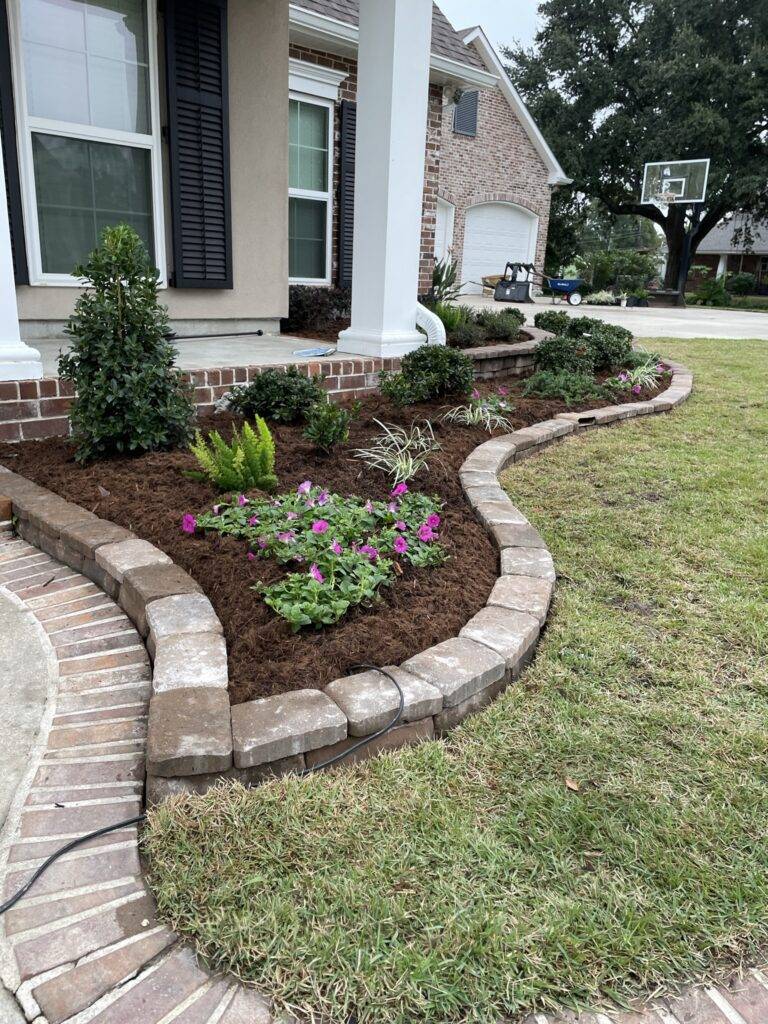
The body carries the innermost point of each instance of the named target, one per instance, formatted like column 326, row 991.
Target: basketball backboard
column 675, row 181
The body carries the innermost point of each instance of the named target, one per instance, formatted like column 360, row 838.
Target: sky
column 504, row 21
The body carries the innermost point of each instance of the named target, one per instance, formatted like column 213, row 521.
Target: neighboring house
column 224, row 132
column 722, row 255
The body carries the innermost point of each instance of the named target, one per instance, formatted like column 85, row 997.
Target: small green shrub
column 128, row 396
column 712, row 292
column 553, row 320
column 571, row 388
column 453, row 316
column 468, row 335
column 430, row 371
column 328, row 424
column 285, row 396
column 563, row 353
column 313, row 308
column 501, row 326
column 610, row 345
column 639, row 357
column 742, row 283
column 246, row 463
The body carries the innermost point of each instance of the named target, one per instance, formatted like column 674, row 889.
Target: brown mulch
column 149, row 495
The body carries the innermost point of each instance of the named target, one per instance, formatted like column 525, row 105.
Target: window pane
column 82, row 187
column 307, row 238
column 86, row 63
column 308, row 149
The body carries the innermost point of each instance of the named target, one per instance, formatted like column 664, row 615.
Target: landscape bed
column 150, row 494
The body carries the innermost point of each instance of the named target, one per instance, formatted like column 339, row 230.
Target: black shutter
column 10, row 154
column 198, row 113
column 348, row 131
column 465, row 114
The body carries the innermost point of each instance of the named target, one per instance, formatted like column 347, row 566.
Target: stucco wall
column 258, row 84
column 499, row 164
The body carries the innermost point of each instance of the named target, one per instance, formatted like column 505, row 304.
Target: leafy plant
column 314, row 308
column 501, row 326
column 285, row 396
column 566, row 385
column 453, row 317
column 712, row 292
column 553, row 320
column 468, row 335
column 609, row 345
column 328, row 424
column 399, row 452
column 246, row 463
column 445, row 285
column 600, row 298
column 346, row 548
column 742, row 283
column 642, row 375
column 563, row 353
column 128, row 396
column 430, row 371
column 486, row 411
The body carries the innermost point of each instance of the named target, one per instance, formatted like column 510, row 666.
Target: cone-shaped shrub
column 128, row 396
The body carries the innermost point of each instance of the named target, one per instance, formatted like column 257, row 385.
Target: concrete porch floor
column 207, row 353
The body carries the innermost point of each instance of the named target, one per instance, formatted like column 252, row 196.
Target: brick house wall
column 500, row 164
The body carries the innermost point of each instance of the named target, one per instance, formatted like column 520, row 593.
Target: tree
column 128, row 396
column 614, row 84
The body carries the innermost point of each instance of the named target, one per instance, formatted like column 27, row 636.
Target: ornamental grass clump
column 401, row 453
column 486, row 411
column 129, row 399
column 342, row 550
column 245, row 464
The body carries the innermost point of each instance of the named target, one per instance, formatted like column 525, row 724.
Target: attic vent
column 465, row 115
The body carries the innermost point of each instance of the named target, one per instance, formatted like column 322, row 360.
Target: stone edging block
column 194, row 737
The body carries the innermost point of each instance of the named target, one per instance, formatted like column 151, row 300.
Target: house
column 724, row 255
column 256, row 142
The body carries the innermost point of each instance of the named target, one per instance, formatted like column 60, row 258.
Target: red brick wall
column 498, row 165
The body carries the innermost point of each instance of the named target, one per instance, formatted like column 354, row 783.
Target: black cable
column 13, row 900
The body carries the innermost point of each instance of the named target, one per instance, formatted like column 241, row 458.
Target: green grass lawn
column 464, row 880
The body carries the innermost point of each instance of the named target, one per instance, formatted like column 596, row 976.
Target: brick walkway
column 85, row 945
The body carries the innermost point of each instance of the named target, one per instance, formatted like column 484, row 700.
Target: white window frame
column 26, row 125
column 327, row 196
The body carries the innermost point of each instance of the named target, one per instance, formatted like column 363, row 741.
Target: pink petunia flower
column 397, row 491
column 368, row 506
column 636, row 389
column 475, row 394
column 242, row 500
column 323, row 497
column 320, row 526
column 309, row 503
column 400, row 545
column 503, row 392
column 262, row 542
column 304, row 488
column 393, row 506
column 366, row 549
column 433, row 520
column 400, row 525
column 336, row 548
column 216, row 509
column 623, row 376
column 188, row 523
column 426, row 533
column 315, row 573
column 253, row 521
column 286, row 536
column 291, row 515
column 251, row 556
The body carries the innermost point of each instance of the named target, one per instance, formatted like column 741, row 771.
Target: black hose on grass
column 13, row 900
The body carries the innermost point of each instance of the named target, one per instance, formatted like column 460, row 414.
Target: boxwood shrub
column 429, row 372
column 285, row 396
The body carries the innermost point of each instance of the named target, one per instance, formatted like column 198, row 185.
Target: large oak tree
column 616, row 83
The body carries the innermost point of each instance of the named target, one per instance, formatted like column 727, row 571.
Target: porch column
column 392, row 95
column 17, row 360
column 722, row 265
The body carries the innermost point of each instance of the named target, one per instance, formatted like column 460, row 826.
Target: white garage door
column 495, row 233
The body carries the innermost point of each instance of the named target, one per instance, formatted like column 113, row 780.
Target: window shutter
column 198, row 112
column 348, row 131
column 465, row 114
column 10, row 154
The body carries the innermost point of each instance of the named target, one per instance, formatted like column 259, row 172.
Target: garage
column 495, row 233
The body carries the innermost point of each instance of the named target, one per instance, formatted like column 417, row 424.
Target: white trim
column 488, row 54
column 318, row 30
column 450, row 226
column 326, row 197
column 314, row 80
column 26, row 125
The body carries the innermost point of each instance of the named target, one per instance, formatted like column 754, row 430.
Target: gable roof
column 720, row 238
column 479, row 41
column 445, row 41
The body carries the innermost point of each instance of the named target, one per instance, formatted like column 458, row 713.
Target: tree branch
column 634, row 209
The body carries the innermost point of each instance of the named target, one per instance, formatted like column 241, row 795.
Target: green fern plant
column 246, row 463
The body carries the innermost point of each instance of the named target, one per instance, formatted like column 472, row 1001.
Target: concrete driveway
column 687, row 322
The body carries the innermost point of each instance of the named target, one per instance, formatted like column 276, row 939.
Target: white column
column 392, row 97
column 722, row 265
column 17, row 360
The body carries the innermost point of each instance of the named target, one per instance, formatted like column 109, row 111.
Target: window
column 465, row 114
column 88, row 126
column 309, row 190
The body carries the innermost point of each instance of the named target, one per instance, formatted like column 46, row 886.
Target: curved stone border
column 194, row 737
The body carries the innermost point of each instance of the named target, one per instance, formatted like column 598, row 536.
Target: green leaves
column 245, row 464
column 285, row 396
column 129, row 397
column 328, row 424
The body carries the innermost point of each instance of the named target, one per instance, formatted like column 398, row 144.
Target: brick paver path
column 85, row 946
